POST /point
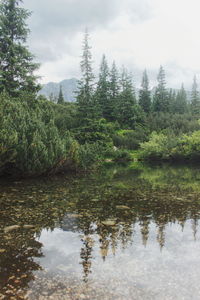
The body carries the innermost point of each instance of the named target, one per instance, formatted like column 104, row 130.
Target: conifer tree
column 172, row 100
column 195, row 99
column 102, row 91
column 53, row 98
column 114, row 90
column 126, row 100
column 60, row 97
column 87, row 104
column 181, row 101
column 16, row 62
column 161, row 97
column 145, row 94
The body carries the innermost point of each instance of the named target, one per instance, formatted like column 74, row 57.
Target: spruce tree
column 53, row 98
column 87, row 104
column 181, row 101
column 161, row 97
column 16, row 62
column 102, row 91
column 145, row 94
column 60, row 97
column 114, row 90
column 172, row 100
column 126, row 100
column 195, row 100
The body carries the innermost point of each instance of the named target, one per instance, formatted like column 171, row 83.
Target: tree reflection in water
column 102, row 210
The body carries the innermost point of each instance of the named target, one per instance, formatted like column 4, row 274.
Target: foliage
column 87, row 105
column 161, row 96
column 125, row 108
column 16, row 62
column 180, row 103
column 30, row 143
column 145, row 94
column 89, row 155
column 65, row 116
column 169, row 147
column 189, row 146
column 103, row 90
column 176, row 123
column 122, row 156
column 195, row 101
column 60, row 97
column 38, row 136
column 158, row 147
column 94, row 131
column 114, row 87
column 130, row 139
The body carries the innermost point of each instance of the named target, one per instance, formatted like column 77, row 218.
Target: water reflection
column 17, row 262
column 106, row 215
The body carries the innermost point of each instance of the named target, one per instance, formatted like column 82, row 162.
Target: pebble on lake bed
column 109, row 222
column 123, row 207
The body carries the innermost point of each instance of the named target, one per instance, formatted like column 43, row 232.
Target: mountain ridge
column 69, row 88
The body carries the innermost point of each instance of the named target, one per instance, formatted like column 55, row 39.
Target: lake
column 126, row 232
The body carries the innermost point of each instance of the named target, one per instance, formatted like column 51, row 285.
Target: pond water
column 124, row 233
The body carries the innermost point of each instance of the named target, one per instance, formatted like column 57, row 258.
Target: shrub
column 130, row 139
column 159, row 147
column 89, row 155
column 170, row 147
column 189, row 147
column 30, row 142
column 176, row 123
column 122, row 156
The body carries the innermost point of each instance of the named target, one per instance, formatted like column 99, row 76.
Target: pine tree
column 52, row 98
column 16, row 62
column 87, row 104
column 60, row 97
column 114, row 90
column 126, row 100
column 195, row 100
column 181, row 101
column 172, row 100
column 102, row 91
column 161, row 97
column 145, row 94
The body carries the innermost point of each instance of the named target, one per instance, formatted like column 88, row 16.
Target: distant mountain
column 69, row 87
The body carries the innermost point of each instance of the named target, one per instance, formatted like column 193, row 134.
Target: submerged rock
column 123, row 207
column 16, row 227
column 28, row 226
column 11, row 228
column 109, row 222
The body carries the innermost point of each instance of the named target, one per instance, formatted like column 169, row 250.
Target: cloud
column 137, row 33
column 55, row 24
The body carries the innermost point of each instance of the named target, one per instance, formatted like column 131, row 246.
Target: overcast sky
column 135, row 33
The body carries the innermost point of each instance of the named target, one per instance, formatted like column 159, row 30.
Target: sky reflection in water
column 124, row 234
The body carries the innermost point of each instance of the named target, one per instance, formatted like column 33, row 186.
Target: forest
column 109, row 121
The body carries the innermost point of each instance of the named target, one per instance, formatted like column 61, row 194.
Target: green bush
column 89, row 155
column 122, row 156
column 176, row 123
column 159, row 147
column 130, row 139
column 188, row 147
column 170, row 147
column 30, row 142
column 94, row 131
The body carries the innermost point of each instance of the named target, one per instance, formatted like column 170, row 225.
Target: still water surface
column 126, row 233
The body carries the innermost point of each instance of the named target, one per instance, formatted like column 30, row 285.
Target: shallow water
column 124, row 233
